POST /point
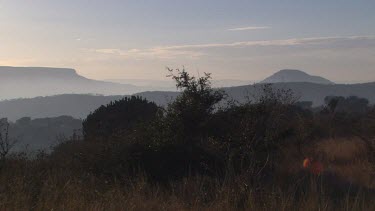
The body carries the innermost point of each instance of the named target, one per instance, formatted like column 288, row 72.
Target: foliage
column 352, row 104
column 118, row 118
column 253, row 134
column 188, row 116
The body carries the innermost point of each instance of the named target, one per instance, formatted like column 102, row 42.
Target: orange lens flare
column 314, row 167
column 306, row 163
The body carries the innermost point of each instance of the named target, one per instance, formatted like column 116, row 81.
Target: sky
column 232, row 39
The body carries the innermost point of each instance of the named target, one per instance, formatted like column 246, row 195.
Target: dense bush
column 349, row 105
column 118, row 118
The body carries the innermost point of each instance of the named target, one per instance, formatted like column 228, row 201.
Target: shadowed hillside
column 311, row 91
column 304, row 91
column 44, row 133
column 78, row 106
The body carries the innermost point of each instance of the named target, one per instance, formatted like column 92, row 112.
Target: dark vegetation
column 119, row 118
column 75, row 105
column 204, row 151
column 41, row 134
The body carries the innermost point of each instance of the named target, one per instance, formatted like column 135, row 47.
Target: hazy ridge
column 28, row 82
column 290, row 75
column 69, row 91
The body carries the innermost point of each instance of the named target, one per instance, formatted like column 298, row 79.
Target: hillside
column 311, row 91
column 288, row 76
column 43, row 133
column 79, row 106
column 169, row 85
column 28, row 82
column 303, row 90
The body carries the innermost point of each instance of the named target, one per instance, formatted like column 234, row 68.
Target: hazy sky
column 233, row 39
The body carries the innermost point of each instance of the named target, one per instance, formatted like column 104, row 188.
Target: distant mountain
column 231, row 83
column 27, row 82
column 288, row 75
column 170, row 85
column 161, row 85
column 79, row 106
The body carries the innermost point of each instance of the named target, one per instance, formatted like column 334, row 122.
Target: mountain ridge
column 47, row 72
column 80, row 105
column 293, row 75
column 20, row 99
column 29, row 82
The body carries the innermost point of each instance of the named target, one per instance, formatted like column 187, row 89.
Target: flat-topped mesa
column 19, row 73
column 290, row 75
column 25, row 82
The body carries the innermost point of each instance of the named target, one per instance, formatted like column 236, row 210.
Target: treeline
column 40, row 134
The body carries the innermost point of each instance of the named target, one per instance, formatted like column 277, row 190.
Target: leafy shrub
column 118, row 118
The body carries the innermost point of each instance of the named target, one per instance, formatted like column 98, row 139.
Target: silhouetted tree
column 341, row 114
column 188, row 116
column 6, row 143
column 352, row 104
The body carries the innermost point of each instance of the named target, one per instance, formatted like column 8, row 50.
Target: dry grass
column 349, row 159
column 29, row 185
column 344, row 150
column 186, row 195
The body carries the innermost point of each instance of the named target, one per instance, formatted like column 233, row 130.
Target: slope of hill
column 310, row 91
column 75, row 105
column 169, row 85
column 27, row 82
column 288, row 75
column 304, row 91
column 37, row 134
column 79, row 106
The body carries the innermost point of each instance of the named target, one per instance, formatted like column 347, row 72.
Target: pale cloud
column 17, row 61
column 79, row 39
column 151, row 53
column 285, row 42
column 198, row 50
column 249, row 28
